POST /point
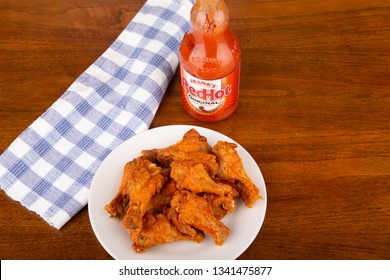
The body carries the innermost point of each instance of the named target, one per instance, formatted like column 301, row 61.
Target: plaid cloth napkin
column 50, row 166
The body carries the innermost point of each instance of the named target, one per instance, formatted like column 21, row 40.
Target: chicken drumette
column 193, row 146
column 140, row 181
column 194, row 177
column 232, row 171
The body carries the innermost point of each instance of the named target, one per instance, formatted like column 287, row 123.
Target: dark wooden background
column 314, row 113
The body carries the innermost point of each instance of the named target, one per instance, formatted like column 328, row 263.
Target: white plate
column 244, row 222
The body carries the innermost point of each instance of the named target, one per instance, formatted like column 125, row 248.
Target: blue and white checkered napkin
column 50, row 166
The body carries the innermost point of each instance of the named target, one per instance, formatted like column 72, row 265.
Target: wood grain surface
column 314, row 113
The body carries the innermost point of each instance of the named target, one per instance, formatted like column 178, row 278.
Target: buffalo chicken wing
column 181, row 192
column 195, row 211
column 158, row 230
column 232, row 170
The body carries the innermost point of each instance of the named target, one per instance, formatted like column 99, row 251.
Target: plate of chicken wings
column 177, row 192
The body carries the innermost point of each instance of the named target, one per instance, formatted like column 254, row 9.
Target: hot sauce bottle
column 210, row 56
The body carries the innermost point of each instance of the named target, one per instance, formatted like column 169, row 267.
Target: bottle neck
column 211, row 17
column 209, row 4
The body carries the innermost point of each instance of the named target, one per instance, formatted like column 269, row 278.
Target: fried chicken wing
column 221, row 205
column 158, row 230
column 140, row 181
column 194, row 177
column 161, row 199
column 195, row 211
column 191, row 143
column 231, row 169
column 173, row 215
column 118, row 206
column 181, row 192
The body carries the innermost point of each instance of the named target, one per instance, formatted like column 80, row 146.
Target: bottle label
column 209, row 96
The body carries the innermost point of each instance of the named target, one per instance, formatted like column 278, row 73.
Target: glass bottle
column 210, row 57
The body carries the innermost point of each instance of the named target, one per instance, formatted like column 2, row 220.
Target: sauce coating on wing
column 181, row 192
column 232, row 170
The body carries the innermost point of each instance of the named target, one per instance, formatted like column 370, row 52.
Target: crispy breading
column 194, row 177
column 140, row 181
column 221, row 205
column 191, row 145
column 158, row 230
column 194, row 210
column 232, row 170
column 162, row 199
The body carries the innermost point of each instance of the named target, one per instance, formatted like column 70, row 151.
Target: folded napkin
column 50, row 166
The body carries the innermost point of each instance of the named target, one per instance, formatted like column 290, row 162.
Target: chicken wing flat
column 221, row 205
column 232, row 170
column 173, row 215
column 195, row 211
column 140, row 181
column 194, row 177
column 157, row 230
column 192, row 142
column 161, row 199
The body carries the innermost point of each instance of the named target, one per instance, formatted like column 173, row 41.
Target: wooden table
column 314, row 113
